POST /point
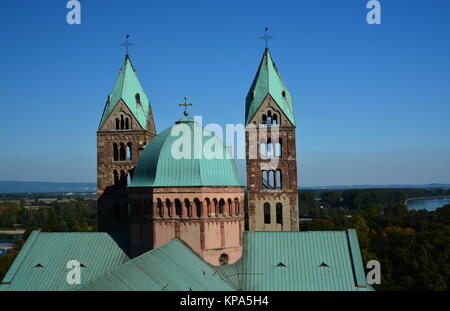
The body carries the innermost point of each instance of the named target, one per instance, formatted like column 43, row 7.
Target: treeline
column 413, row 247
column 77, row 215
column 356, row 199
column 74, row 216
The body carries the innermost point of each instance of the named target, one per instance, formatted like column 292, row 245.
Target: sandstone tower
column 271, row 153
column 125, row 128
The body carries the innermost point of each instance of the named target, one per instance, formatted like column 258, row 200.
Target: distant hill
column 347, row 187
column 47, row 187
column 56, row 187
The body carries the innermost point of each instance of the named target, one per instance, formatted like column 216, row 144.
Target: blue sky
column 372, row 102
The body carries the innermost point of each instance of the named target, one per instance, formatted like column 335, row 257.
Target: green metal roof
column 271, row 261
column 126, row 88
column 41, row 263
column 299, row 261
column 268, row 81
column 157, row 167
column 171, row 267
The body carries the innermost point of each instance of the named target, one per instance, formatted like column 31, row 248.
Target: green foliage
column 72, row 216
column 413, row 247
column 361, row 198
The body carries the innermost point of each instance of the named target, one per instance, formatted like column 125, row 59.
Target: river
column 428, row 204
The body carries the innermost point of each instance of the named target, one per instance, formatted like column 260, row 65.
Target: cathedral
column 183, row 223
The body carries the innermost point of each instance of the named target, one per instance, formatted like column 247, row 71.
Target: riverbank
column 425, row 198
column 428, row 204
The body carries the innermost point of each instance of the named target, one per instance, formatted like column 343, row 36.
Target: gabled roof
column 299, row 261
column 271, row 261
column 126, row 88
column 41, row 263
column 171, row 267
column 268, row 81
column 158, row 167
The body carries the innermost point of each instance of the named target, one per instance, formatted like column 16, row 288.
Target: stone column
column 184, row 212
column 204, row 209
column 163, row 210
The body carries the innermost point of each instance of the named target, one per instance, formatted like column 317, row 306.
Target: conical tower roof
column 268, row 81
column 126, row 88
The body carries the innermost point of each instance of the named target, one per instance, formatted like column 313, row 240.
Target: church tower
column 125, row 128
column 271, row 152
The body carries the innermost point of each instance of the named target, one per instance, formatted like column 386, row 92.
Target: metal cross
column 186, row 104
column 266, row 37
column 127, row 43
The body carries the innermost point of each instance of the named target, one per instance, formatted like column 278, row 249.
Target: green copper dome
column 162, row 165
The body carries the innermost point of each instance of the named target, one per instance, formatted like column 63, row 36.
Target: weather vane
column 186, row 105
column 127, row 43
column 266, row 37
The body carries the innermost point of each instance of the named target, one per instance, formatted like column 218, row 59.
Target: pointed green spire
column 268, row 81
column 126, row 88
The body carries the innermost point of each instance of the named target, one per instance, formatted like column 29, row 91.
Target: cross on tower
column 186, row 104
column 127, row 43
column 266, row 37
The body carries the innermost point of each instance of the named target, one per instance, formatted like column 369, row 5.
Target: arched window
column 208, row 206
column 198, row 207
column 159, row 206
column 178, row 210
column 264, row 119
column 266, row 213
column 123, row 152
column 271, row 180
column 169, row 208
column 122, row 122
column 269, row 118
column 221, row 207
column 230, row 207
column 275, row 119
column 223, row 259
column 278, row 149
column 138, row 98
column 127, row 123
column 283, row 94
column 278, row 180
column 263, row 150
column 279, row 213
column 115, row 152
column 265, row 180
column 117, row 124
column 270, row 152
column 128, row 155
column 187, row 204
column 215, row 207
column 237, row 209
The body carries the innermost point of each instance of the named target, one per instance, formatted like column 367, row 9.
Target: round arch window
column 223, row 259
